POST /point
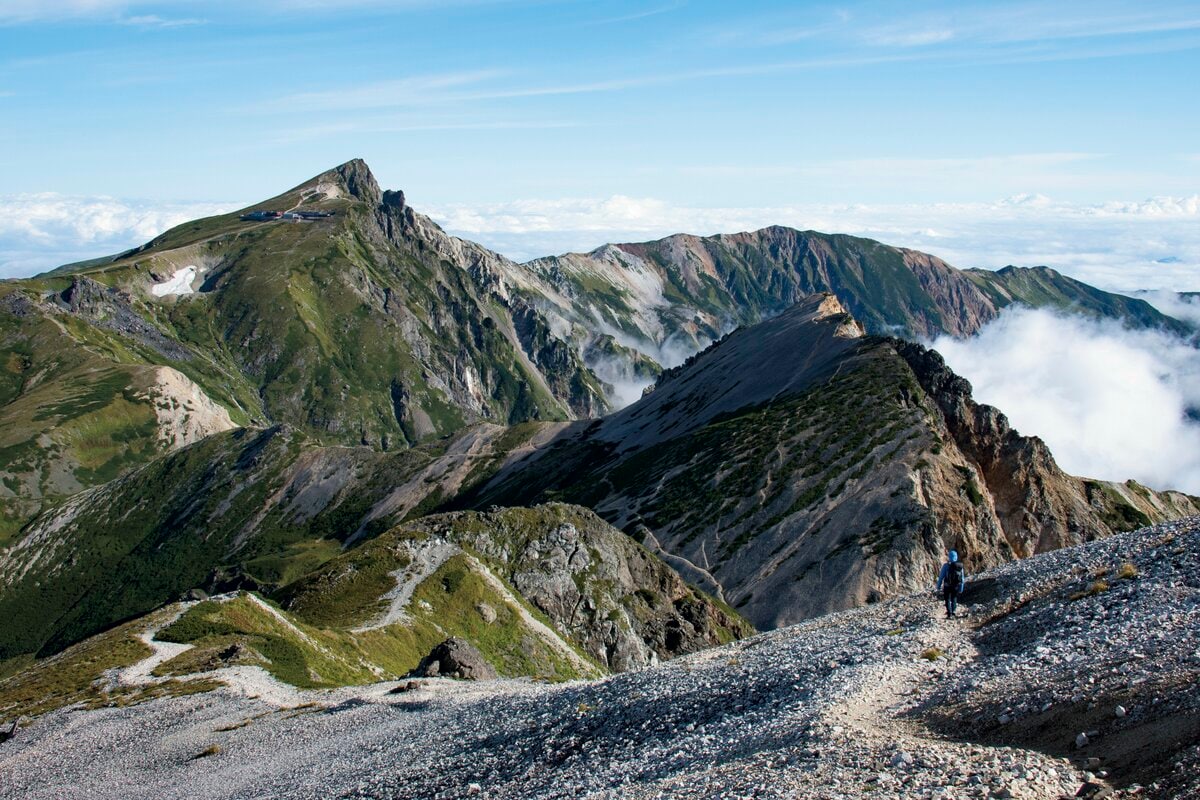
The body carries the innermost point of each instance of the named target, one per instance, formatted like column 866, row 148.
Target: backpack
column 954, row 576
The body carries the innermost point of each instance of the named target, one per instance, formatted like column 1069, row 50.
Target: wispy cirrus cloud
column 390, row 124
column 407, row 91
column 640, row 15
column 42, row 11
column 155, row 21
column 483, row 85
column 29, row 11
column 991, row 33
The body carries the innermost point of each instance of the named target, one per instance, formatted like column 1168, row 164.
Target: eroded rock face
column 455, row 658
column 1038, row 506
column 619, row 602
column 112, row 309
column 798, row 467
column 185, row 413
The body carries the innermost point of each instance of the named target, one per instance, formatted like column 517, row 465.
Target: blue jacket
column 946, row 570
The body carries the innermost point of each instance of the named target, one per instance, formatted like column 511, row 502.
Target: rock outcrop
column 613, row 599
column 799, row 467
column 455, row 658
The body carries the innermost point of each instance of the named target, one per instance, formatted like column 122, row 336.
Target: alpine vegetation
column 314, row 499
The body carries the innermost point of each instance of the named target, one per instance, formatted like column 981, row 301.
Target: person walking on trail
column 950, row 582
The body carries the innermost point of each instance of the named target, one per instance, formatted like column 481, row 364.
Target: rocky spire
column 359, row 182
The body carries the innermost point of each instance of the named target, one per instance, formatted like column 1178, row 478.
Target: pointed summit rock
column 359, row 181
column 342, row 312
column 798, row 467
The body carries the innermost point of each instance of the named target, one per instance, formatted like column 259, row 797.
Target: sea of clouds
column 1110, row 402
column 41, row 231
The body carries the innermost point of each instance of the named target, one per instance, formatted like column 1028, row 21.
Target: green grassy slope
column 1042, row 287
column 355, row 329
column 617, row 592
column 709, row 283
column 240, row 506
column 501, row 580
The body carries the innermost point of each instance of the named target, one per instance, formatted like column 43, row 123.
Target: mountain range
column 287, row 413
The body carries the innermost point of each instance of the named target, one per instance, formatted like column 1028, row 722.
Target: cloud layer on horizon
column 1122, row 246
column 42, row 231
column 1110, row 402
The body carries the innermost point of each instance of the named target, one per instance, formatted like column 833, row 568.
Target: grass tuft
column 1094, row 588
column 211, row 750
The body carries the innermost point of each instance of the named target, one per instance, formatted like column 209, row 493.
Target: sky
column 1059, row 134
column 988, row 133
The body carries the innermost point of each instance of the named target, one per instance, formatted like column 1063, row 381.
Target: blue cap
column 953, row 556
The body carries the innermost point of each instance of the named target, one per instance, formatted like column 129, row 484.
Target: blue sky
column 541, row 126
column 989, row 134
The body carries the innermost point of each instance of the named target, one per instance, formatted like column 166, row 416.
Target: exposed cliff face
column 373, row 326
column 1039, row 507
column 794, row 467
column 800, row 467
column 370, row 326
column 678, row 294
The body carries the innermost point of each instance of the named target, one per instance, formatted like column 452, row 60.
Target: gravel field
column 1028, row 694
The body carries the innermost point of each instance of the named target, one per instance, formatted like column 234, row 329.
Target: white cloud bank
column 1111, row 403
column 1119, row 246
column 1184, row 307
column 43, row 231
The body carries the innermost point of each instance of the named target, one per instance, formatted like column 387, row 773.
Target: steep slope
column 86, row 392
column 551, row 592
column 367, row 325
column 800, row 466
column 247, row 508
column 888, row 701
column 669, row 297
column 620, row 603
column 359, row 321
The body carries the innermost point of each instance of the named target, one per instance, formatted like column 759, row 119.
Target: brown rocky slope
column 801, row 466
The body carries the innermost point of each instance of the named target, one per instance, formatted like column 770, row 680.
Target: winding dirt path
column 140, row 674
column 874, row 714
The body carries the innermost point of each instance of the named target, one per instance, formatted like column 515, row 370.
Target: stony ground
column 1029, row 694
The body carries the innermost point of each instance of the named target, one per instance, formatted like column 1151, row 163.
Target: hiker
column 950, row 582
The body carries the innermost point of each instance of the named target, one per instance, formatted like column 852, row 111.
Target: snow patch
column 179, row 283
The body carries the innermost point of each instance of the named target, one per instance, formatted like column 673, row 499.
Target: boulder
column 455, row 658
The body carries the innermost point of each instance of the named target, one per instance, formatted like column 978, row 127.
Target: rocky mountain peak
column 360, row 183
column 828, row 307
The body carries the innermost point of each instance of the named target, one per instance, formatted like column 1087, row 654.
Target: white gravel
column 139, row 674
column 838, row 707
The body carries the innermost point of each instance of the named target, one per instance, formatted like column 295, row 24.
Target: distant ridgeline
column 250, row 398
